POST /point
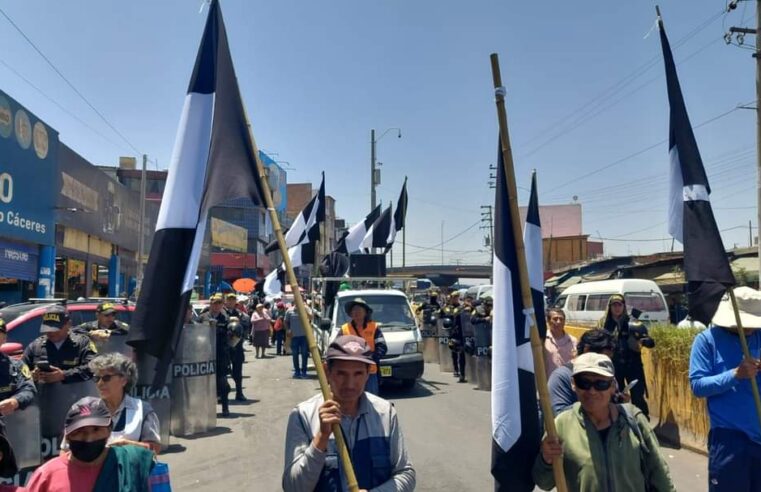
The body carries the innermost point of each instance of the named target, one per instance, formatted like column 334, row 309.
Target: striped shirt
column 375, row 442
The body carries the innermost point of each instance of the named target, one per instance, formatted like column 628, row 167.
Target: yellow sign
column 228, row 236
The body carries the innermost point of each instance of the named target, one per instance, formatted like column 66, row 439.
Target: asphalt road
column 446, row 427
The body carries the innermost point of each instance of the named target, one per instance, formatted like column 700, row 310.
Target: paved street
column 446, row 426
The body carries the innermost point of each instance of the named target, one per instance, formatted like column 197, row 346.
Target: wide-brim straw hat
column 748, row 304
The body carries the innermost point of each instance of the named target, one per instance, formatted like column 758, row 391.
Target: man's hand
column 8, row 406
column 35, row 374
column 100, row 335
column 330, row 413
column 551, row 449
column 747, row 369
column 55, row 375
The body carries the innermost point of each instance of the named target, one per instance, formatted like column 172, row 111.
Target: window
column 560, row 302
column 392, row 312
column 26, row 332
column 644, row 301
column 576, row 302
column 598, row 302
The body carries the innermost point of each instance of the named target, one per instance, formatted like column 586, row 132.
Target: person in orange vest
column 361, row 325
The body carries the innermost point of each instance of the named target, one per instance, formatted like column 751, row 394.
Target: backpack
column 644, row 450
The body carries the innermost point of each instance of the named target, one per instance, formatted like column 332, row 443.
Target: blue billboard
column 277, row 180
column 28, row 174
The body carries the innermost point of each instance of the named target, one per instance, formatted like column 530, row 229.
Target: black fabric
column 537, row 295
column 706, row 267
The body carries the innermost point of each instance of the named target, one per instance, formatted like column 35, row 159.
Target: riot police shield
column 194, row 390
column 429, row 333
column 444, row 326
column 469, row 345
column 159, row 399
column 23, row 432
column 55, row 400
column 114, row 343
column 483, row 355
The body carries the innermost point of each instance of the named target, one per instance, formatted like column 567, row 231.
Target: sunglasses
column 587, row 384
column 106, row 378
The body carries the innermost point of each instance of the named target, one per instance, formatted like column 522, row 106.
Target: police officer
column 16, row 387
column 238, row 356
column 452, row 311
column 105, row 324
column 629, row 335
column 217, row 317
column 59, row 356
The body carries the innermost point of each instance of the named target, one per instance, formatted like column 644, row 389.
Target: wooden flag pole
column 343, row 450
column 746, row 351
column 536, row 342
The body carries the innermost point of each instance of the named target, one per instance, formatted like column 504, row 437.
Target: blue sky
column 318, row 75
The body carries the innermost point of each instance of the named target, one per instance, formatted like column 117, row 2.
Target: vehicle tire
column 408, row 383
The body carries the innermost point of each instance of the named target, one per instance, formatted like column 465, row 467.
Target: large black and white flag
column 515, row 425
column 532, row 241
column 306, row 226
column 399, row 217
column 301, row 254
column 691, row 219
column 377, row 235
column 352, row 241
column 213, row 160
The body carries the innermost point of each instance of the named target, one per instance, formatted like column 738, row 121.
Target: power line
column 60, row 74
column 425, row 248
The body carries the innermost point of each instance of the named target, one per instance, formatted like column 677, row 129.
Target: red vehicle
column 23, row 321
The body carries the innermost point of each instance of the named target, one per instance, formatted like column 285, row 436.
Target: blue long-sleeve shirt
column 716, row 353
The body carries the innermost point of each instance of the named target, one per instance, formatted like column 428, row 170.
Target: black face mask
column 87, row 451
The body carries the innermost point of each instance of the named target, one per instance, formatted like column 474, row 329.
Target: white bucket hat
column 749, row 305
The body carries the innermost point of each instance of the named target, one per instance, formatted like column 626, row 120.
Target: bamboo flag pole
column 343, row 451
column 536, row 342
column 746, row 351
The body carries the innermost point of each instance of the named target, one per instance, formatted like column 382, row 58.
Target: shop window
column 99, row 278
column 75, row 279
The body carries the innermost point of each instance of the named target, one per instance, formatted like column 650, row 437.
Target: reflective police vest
column 368, row 333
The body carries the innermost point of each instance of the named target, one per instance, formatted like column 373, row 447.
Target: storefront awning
column 569, row 282
column 670, row 278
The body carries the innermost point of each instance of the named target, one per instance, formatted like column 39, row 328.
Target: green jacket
column 618, row 467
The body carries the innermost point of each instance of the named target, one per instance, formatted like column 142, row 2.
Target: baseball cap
column 54, row 319
column 105, row 308
column 616, row 298
column 594, row 363
column 350, row 347
column 231, row 296
column 216, row 298
column 85, row 412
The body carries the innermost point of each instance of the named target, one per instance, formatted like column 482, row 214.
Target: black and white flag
column 306, row 227
column 515, row 425
column 352, row 241
column 691, row 219
column 377, row 234
column 532, row 241
column 213, row 160
column 399, row 217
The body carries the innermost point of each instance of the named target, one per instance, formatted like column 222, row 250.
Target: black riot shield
column 445, row 355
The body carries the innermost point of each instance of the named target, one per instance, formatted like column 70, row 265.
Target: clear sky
column 585, row 92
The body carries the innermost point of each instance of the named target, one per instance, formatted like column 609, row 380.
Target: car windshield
column 644, row 301
column 392, row 312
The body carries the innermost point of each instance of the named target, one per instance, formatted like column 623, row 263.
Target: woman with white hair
column 134, row 420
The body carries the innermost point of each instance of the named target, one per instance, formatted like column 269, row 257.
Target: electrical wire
column 68, row 82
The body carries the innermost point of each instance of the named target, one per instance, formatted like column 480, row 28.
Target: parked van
column 584, row 304
column 391, row 310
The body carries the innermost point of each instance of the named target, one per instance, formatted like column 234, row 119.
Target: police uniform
column 15, row 379
column 116, row 328
column 457, row 341
column 72, row 357
column 238, row 357
column 223, row 356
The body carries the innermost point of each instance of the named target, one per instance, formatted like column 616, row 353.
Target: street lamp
column 374, row 172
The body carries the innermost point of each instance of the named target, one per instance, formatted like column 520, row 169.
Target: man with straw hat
column 720, row 373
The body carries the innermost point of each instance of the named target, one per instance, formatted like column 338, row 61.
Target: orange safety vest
column 368, row 334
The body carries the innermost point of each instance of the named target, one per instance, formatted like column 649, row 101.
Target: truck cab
column 391, row 310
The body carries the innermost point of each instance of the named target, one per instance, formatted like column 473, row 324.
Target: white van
column 391, row 310
column 584, row 304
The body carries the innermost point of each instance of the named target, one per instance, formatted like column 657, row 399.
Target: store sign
column 28, row 174
column 228, row 236
column 18, row 260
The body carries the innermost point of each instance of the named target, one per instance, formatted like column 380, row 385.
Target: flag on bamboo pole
column 515, row 424
column 213, row 160
column 352, row 241
column 532, row 241
column 377, row 235
column 691, row 219
column 399, row 217
column 306, row 226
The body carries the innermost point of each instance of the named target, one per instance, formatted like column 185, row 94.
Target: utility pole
column 392, row 246
column 141, row 226
column 372, row 169
column 487, row 219
column 739, row 34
